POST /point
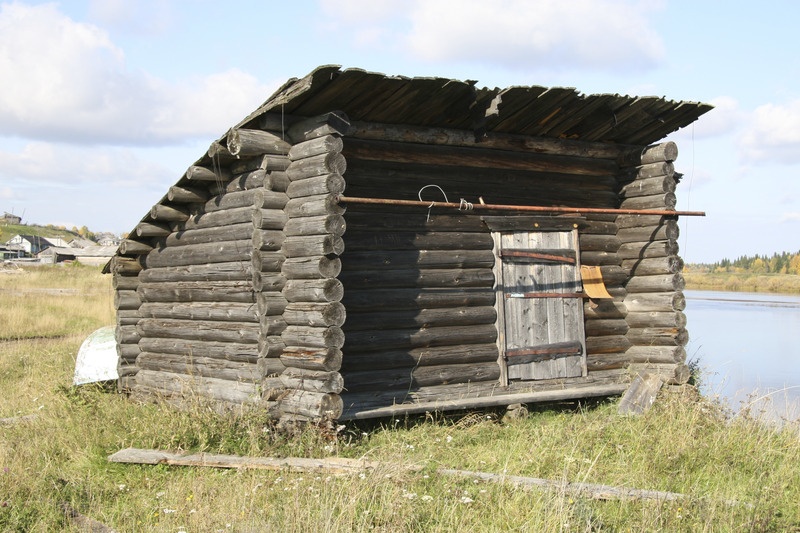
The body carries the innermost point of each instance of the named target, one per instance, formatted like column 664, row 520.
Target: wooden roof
column 440, row 102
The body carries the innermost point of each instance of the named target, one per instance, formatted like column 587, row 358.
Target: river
column 747, row 347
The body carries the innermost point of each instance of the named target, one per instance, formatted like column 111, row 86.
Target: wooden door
column 540, row 305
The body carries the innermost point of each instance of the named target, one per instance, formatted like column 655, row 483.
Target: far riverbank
column 743, row 282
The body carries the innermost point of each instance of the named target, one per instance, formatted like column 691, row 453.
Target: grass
column 684, row 444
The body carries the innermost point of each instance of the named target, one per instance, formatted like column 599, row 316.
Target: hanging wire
column 419, row 195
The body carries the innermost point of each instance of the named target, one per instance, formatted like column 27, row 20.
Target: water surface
column 747, row 345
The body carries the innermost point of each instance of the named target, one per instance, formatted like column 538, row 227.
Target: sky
column 105, row 103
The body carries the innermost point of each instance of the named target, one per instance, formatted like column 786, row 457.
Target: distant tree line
column 778, row 263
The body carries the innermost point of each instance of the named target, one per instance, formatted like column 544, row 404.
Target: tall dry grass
column 737, row 473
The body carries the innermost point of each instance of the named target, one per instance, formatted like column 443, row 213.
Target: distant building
column 106, row 239
column 30, row 245
column 10, row 218
column 90, row 255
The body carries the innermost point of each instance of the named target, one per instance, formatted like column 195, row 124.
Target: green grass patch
column 737, row 472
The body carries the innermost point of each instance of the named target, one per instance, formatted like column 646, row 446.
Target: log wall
column 250, row 283
column 649, row 255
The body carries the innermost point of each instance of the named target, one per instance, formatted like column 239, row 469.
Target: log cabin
column 493, row 247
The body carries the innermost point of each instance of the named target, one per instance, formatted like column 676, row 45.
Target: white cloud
column 790, row 217
column 604, row 35
column 67, row 81
column 144, row 17
column 773, row 134
column 45, row 164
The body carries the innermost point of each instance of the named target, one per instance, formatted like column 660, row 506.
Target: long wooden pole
column 466, row 206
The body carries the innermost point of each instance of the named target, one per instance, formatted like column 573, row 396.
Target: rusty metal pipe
column 523, row 208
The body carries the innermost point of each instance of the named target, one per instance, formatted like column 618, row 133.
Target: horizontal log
column 231, row 271
column 421, row 318
column 232, row 232
column 313, row 337
column 271, row 325
column 657, row 354
column 313, row 290
column 606, row 361
column 607, row 344
column 325, row 184
column 197, row 291
column 319, row 145
column 427, row 278
column 312, row 245
column 647, row 250
column 658, row 336
column 315, row 314
column 246, row 181
column 270, row 347
column 312, row 380
column 232, row 351
column 318, row 225
column 314, row 405
column 384, row 219
column 199, row 366
column 598, row 243
column 267, row 261
column 379, row 359
column 126, row 334
column 271, row 303
column 670, row 373
column 406, row 378
column 268, row 282
column 268, row 162
column 656, row 283
column 214, row 311
column 381, row 299
column 649, row 170
column 423, row 259
column 214, row 219
column 361, row 341
column 247, row 143
column 642, row 221
column 125, row 266
column 128, row 352
column 257, row 198
column 655, row 301
column 663, row 319
column 273, row 219
column 151, row 229
column 332, row 123
column 597, row 327
column 270, row 367
column 311, row 267
column 367, row 241
column 201, row 330
column 475, row 157
column 614, row 275
column 268, row 240
column 126, row 299
column 494, row 140
column 167, row 213
column 277, row 181
column 604, row 309
column 187, row 195
column 199, row 254
column 662, row 201
column 648, row 187
column 667, row 231
column 653, row 266
column 198, row 173
column 326, row 359
column 131, row 247
column 318, row 165
column 125, row 282
column 666, row 151
column 326, row 204
column 186, row 386
column 600, row 258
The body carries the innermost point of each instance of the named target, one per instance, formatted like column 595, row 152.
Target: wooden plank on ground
column 641, row 394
